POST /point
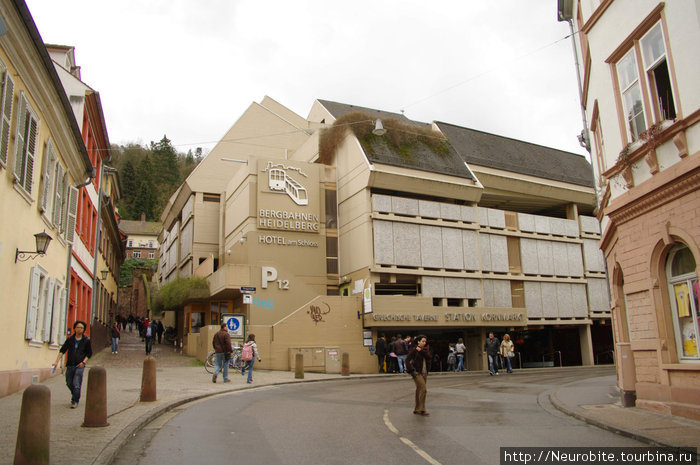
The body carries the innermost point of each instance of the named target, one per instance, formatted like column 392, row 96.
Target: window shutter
column 72, row 211
column 18, row 166
column 32, row 303
column 8, row 87
column 31, row 152
column 48, row 310
column 58, row 197
column 56, row 310
column 63, row 308
column 47, row 178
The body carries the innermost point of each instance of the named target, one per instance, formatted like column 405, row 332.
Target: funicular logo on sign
column 279, row 181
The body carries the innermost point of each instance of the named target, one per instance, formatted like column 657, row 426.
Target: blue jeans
column 221, row 363
column 509, row 367
column 74, row 381
column 460, row 362
column 402, row 363
column 248, row 366
column 149, row 345
column 115, row 344
column 493, row 363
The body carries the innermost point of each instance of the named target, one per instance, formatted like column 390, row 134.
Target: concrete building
column 640, row 63
column 42, row 160
column 430, row 228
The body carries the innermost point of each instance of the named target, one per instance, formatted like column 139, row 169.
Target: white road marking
column 407, row 441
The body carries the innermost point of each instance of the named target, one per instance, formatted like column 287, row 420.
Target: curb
column 559, row 405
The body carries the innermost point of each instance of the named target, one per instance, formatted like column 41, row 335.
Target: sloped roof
column 145, row 228
column 339, row 109
column 492, row 151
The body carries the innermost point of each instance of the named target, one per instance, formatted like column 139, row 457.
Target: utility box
column 628, row 374
column 318, row 359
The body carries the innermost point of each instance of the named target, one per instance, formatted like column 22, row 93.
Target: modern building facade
column 319, row 235
column 640, row 63
column 42, row 160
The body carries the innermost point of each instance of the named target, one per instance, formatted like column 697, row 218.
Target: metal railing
column 553, row 353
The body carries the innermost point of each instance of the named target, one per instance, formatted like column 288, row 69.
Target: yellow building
column 317, row 235
column 42, row 160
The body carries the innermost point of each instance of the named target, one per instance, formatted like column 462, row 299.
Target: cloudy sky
column 189, row 68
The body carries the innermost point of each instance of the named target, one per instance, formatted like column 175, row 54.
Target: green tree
column 144, row 201
column 127, row 176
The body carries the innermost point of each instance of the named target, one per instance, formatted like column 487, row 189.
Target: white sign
column 247, row 298
column 235, row 324
column 367, row 293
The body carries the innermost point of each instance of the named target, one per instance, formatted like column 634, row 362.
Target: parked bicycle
column 234, row 362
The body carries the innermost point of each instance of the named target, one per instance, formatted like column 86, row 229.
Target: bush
column 176, row 294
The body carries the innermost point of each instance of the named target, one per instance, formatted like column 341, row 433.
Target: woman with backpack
column 248, row 354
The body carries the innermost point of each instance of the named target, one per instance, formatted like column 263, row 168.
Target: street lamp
column 378, row 128
column 104, row 274
column 42, row 243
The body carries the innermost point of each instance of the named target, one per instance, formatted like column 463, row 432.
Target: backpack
column 247, row 353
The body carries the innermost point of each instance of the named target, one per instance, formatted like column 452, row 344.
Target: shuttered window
column 33, row 302
column 71, row 212
column 47, row 178
column 6, row 95
column 25, row 144
column 59, row 188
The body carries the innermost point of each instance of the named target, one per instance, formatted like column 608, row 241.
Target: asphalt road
column 369, row 421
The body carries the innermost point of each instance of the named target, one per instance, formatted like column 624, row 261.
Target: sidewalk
column 182, row 379
column 597, row 402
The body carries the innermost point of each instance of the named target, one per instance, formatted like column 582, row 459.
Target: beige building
column 429, row 228
column 141, row 238
column 640, row 63
column 42, row 160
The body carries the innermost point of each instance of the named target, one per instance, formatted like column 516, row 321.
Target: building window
column 150, row 244
column 25, row 143
column 653, row 89
column 130, row 244
column 684, row 289
column 137, row 254
column 151, row 255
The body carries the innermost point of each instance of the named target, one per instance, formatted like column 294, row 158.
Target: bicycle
column 234, row 362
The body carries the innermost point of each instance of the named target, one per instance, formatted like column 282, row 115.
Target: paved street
column 371, row 421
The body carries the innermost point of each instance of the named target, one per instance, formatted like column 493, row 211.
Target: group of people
column 224, row 350
column 149, row 330
column 393, row 353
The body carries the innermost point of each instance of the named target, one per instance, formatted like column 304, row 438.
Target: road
column 370, row 421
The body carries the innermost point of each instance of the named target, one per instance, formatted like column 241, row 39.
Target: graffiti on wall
column 317, row 312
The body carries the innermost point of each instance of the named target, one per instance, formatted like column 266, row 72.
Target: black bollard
column 34, row 427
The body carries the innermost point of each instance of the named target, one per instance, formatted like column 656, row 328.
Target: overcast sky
column 189, row 68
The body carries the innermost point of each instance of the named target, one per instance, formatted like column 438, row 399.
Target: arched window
column 684, row 289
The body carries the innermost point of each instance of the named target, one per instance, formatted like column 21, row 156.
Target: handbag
column 511, row 354
column 227, row 356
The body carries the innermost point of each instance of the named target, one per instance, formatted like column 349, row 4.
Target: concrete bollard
column 345, row 367
column 34, row 426
column 148, row 380
column 299, row 366
column 96, row 398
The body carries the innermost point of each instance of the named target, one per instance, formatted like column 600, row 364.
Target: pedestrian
column 380, row 350
column 418, row 365
column 451, row 358
column 79, row 351
column 248, row 354
column 160, row 330
column 223, row 350
column 492, row 347
column 131, row 322
column 401, row 350
column 115, row 334
column 392, row 360
column 460, row 352
column 149, row 334
column 508, row 352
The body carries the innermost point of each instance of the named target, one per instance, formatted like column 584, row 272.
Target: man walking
column 79, row 351
column 380, row 349
column 222, row 346
column 491, row 348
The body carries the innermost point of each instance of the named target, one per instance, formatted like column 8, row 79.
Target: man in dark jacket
column 491, row 348
column 222, row 346
column 380, row 349
column 79, row 351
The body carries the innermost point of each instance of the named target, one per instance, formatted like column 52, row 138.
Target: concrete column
column 345, row 370
column 34, row 427
column 96, row 398
column 586, row 342
column 148, row 380
column 299, row 366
